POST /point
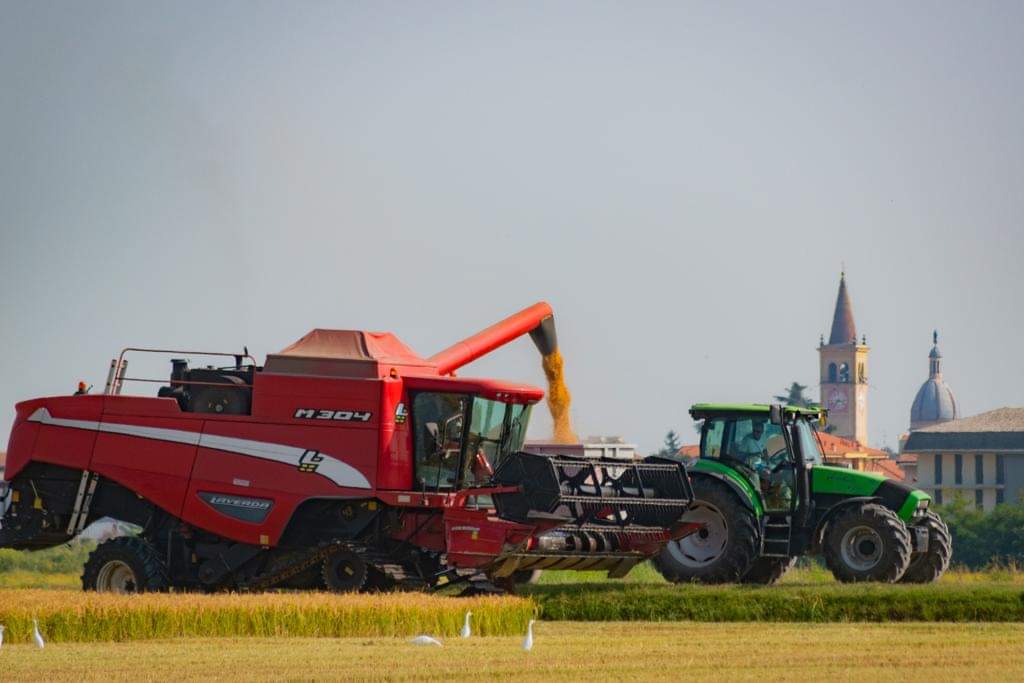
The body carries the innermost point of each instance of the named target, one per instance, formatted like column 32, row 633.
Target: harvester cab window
column 486, row 440
column 439, row 422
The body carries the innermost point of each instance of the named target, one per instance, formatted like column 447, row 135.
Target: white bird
column 1, row 635
column 528, row 640
column 425, row 640
column 36, row 635
column 466, row 632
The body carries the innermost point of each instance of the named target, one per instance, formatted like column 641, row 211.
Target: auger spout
column 537, row 320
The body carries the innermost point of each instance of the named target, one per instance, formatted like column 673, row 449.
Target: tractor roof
column 702, row 410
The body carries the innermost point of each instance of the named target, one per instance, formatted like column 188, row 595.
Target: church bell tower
column 844, row 372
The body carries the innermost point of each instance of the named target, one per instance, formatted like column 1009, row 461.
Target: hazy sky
column 682, row 181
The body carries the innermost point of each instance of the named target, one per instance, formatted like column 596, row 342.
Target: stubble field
column 563, row 651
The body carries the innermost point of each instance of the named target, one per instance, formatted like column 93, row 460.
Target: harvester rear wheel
column 930, row 565
column 124, row 565
column 867, row 542
column 724, row 549
column 344, row 572
column 768, row 570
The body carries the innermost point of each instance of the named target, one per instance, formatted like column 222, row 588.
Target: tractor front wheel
column 127, row 564
column 867, row 542
column 723, row 550
column 931, row 564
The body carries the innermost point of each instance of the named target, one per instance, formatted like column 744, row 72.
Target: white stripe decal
column 328, row 466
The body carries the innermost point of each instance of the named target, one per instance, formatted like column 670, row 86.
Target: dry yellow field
column 563, row 651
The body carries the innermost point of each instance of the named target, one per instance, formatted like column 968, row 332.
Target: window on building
column 832, row 373
column 958, row 469
column 979, row 499
column 979, row 470
column 938, row 496
column 938, row 468
column 1000, row 469
column 999, row 497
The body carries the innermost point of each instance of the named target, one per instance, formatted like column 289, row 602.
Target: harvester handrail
column 117, row 377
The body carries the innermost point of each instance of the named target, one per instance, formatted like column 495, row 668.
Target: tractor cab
column 768, row 453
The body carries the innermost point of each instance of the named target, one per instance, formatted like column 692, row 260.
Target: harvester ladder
column 777, row 534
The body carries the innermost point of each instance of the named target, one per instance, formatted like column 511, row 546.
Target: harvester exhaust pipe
column 537, row 320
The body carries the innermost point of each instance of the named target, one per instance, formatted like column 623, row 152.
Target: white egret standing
column 466, row 632
column 36, row 635
column 1, row 635
column 528, row 641
column 425, row 640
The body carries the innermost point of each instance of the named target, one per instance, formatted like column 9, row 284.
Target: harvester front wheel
column 344, row 572
column 867, row 542
column 723, row 550
column 768, row 570
column 124, row 565
column 930, row 565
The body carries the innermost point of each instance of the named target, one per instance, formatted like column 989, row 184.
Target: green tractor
column 765, row 498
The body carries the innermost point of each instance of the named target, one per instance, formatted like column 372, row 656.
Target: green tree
column 672, row 445
column 794, row 396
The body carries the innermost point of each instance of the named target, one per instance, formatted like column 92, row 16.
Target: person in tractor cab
column 751, row 448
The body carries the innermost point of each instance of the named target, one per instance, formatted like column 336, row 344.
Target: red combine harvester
column 345, row 461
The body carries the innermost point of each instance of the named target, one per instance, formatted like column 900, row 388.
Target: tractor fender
column 749, row 502
column 819, row 531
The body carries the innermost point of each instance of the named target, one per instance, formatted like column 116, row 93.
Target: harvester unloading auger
column 345, row 461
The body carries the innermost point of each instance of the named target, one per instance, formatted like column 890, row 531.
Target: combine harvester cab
column 345, row 461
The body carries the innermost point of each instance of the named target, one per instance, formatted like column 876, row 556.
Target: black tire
column 867, row 542
column 930, row 565
column 344, row 572
column 128, row 564
column 768, row 570
column 722, row 552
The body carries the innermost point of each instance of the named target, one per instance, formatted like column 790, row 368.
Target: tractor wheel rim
column 703, row 547
column 861, row 548
column 116, row 577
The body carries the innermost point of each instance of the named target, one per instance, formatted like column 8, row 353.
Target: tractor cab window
column 756, row 448
column 810, row 449
column 439, row 422
column 752, row 442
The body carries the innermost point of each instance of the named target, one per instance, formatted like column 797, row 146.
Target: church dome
column 934, row 402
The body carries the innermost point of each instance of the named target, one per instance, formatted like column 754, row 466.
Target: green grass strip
column 822, row 603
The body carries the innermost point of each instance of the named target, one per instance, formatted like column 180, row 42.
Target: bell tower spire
column 844, row 376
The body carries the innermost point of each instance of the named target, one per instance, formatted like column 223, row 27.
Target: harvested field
column 563, row 651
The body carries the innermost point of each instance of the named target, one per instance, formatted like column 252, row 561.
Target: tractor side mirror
column 775, row 413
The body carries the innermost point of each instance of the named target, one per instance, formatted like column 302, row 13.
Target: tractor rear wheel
column 867, row 542
column 344, row 572
column 768, row 570
column 930, row 565
column 724, row 549
column 127, row 564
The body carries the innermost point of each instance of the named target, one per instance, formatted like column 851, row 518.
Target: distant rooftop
column 998, row 420
column 1001, row 429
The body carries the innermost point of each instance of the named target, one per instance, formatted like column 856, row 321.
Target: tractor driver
column 751, row 448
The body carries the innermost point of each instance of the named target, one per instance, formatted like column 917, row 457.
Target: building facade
column 979, row 458
column 844, row 372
